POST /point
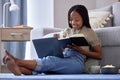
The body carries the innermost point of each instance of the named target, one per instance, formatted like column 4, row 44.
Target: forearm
column 95, row 53
column 92, row 54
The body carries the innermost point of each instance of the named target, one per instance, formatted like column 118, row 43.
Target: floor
column 8, row 76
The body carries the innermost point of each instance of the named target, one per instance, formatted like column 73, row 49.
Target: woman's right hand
column 57, row 35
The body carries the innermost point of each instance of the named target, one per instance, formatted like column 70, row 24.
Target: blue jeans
column 72, row 63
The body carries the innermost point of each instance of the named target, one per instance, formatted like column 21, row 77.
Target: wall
column 40, row 13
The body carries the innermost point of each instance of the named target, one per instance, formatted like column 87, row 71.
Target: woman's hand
column 73, row 46
column 96, row 53
column 57, row 35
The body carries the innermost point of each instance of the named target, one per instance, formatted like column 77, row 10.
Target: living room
column 53, row 18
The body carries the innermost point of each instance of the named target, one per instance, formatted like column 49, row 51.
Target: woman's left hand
column 57, row 35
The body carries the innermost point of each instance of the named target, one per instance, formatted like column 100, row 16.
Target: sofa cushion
column 50, row 30
column 106, row 9
column 116, row 14
column 99, row 19
column 109, row 36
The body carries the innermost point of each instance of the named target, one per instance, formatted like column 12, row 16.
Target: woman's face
column 76, row 20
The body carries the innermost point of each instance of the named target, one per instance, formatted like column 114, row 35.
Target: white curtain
column 15, row 18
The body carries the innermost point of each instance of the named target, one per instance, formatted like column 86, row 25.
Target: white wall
column 61, row 8
column 40, row 13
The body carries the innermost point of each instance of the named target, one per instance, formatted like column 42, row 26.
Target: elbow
column 100, row 57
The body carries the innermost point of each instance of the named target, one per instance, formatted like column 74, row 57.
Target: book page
column 77, row 35
column 74, row 35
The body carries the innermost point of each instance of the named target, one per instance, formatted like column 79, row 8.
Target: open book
column 47, row 47
column 77, row 39
column 52, row 46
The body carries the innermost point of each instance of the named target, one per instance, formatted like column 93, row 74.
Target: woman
column 74, row 56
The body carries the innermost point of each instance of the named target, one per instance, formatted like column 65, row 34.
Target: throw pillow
column 99, row 19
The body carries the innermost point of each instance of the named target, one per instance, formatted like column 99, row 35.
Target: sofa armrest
column 109, row 36
column 51, row 30
column 110, row 42
column 36, row 33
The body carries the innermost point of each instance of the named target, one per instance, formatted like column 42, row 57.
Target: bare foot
column 12, row 66
column 8, row 54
